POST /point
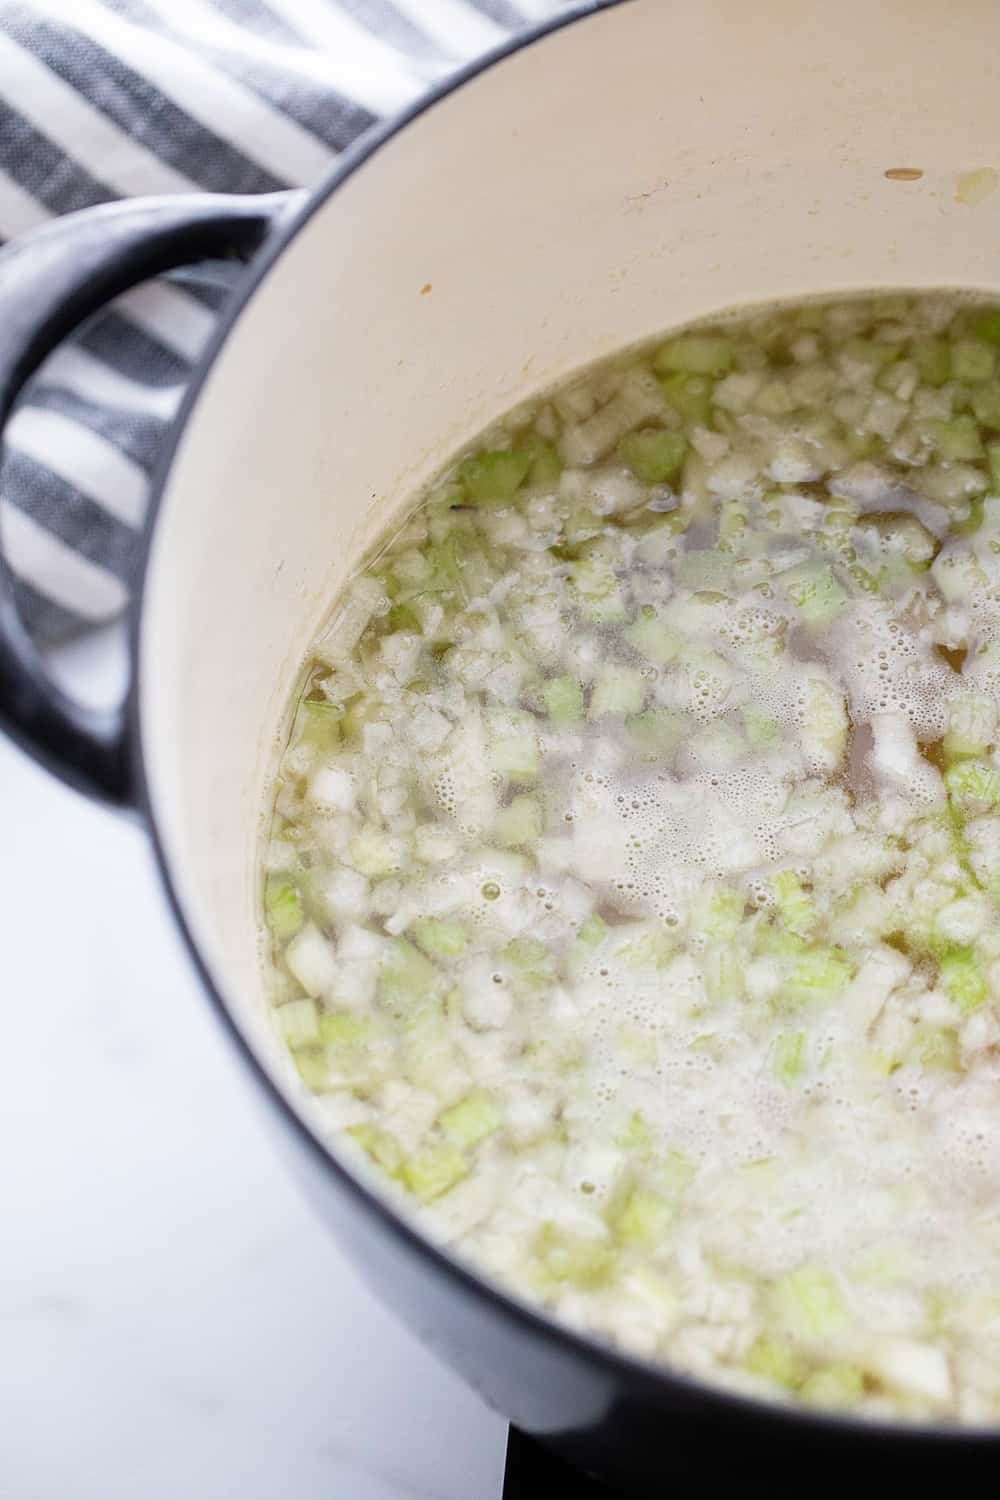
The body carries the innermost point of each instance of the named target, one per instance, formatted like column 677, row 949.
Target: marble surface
column 173, row 1321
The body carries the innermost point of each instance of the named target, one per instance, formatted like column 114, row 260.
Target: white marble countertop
column 174, row 1323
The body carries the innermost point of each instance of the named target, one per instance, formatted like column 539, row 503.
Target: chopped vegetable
column 653, row 456
column 472, row 1119
column 695, row 354
column 430, row 1174
column 808, row 1304
column 815, row 592
column 283, row 908
column 494, row 478
column 563, row 698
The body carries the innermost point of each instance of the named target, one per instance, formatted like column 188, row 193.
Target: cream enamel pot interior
column 635, row 165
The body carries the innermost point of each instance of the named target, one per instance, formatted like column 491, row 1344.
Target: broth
column 633, row 876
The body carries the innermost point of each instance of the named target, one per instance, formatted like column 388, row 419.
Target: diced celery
column 789, row 1059
column 530, row 964
column 973, row 785
column 695, row 354
column 459, row 566
column 313, row 1066
column 618, row 690
column 819, row 974
column 583, row 1263
column 933, row 357
column 341, row 1029
column 808, row 1303
column 472, row 1119
column 402, row 618
column 722, row 971
column 593, row 931
column 545, row 464
column 643, row 1219
column 636, row 1134
column 406, row 977
column 938, row 1047
column 986, row 404
column 429, row 1053
column 718, row 917
column 957, row 439
column 494, row 478
column 440, row 937
column 834, row 1387
column 431, row 1173
column 360, row 711
column 814, row 591
column 380, row 1145
column 659, row 731
column 878, row 1064
column 563, row 699
column 972, row 360
column 321, row 722
column 963, row 979
column 518, row 823
column 298, row 1022
column 653, row 455
column 777, row 942
column 762, row 731
column 871, row 351
column 648, row 949
column 690, row 395
column 528, row 955
column 775, row 1359
column 970, row 523
column 795, row 908
column 653, row 638
column 987, row 326
column 582, row 526
column 514, row 752
column 283, row 905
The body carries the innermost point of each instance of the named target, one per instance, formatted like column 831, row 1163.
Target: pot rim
column 789, row 1421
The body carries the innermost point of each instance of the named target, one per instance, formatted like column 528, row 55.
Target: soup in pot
column 634, row 871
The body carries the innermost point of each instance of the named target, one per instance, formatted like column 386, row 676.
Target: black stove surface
column 532, row 1473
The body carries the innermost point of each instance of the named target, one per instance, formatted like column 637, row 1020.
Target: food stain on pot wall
column 973, row 187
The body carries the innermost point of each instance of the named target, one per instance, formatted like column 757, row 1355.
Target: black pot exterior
column 645, row 1431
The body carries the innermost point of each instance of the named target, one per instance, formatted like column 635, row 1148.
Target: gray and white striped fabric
column 102, row 99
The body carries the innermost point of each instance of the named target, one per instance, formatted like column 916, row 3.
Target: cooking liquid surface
column 633, row 875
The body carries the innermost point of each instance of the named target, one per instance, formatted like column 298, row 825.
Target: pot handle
column 50, row 281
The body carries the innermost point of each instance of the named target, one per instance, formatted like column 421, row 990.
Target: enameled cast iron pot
column 633, row 165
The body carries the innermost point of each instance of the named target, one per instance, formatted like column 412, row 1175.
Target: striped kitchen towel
column 101, row 99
